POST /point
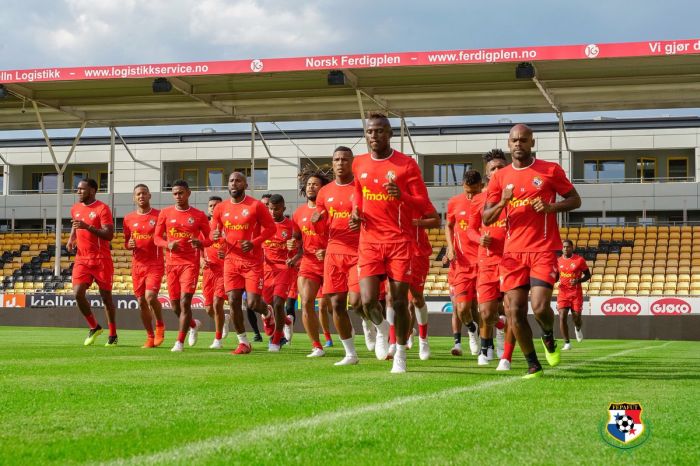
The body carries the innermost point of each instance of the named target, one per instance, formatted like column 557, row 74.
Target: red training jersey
column 571, row 268
column 181, row 226
column 247, row 220
column 141, row 227
column 211, row 253
column 421, row 242
column 275, row 248
column 458, row 210
column 497, row 230
column 386, row 218
column 97, row 215
column 335, row 201
column 528, row 230
column 312, row 240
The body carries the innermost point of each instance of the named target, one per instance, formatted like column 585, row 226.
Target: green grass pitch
column 63, row 403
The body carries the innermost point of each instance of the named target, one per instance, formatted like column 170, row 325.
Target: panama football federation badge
column 625, row 427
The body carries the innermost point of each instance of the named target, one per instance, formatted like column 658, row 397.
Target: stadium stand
column 641, row 260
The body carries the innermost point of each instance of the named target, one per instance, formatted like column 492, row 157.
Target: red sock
column 181, row 336
column 423, row 331
column 193, row 324
column 508, row 351
column 327, row 335
column 160, row 323
column 317, row 344
column 218, row 335
column 392, row 335
column 150, row 333
column 112, row 329
column 91, row 321
column 276, row 337
column 500, row 325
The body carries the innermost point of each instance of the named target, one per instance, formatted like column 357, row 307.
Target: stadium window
column 215, row 179
column 77, row 178
column 44, row 182
column 677, row 169
column 646, row 169
column 191, row 175
column 102, row 182
column 449, row 174
column 2, row 180
column 260, row 178
column 603, row 171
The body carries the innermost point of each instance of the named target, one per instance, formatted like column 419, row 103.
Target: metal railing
column 16, row 192
column 687, row 179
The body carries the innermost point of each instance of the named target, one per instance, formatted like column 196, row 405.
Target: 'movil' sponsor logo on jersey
column 462, row 224
column 136, row 235
column 621, row 307
column 175, row 233
column 333, row 213
column 236, row 226
column 499, row 223
column 272, row 244
column 670, row 307
column 370, row 196
column 307, row 231
column 515, row 202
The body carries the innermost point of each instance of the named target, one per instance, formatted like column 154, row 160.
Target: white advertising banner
column 644, row 306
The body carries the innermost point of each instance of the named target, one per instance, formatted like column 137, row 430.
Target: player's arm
column 295, row 242
column 159, row 232
column 474, row 228
column 497, row 198
column 319, row 214
column 267, row 225
column 415, row 194
column 449, row 233
column 586, row 275
column 430, row 220
column 71, row 244
column 128, row 243
column 106, row 230
column 561, row 184
column 356, row 216
column 203, row 240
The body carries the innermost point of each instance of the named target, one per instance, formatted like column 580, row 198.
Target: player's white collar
column 88, row 205
column 381, row 160
column 244, row 198
column 145, row 213
column 346, row 184
column 523, row 168
column 180, row 210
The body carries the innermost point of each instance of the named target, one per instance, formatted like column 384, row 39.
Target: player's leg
column 111, row 314
column 325, row 312
column 235, row 300
column 517, row 316
column 253, row 321
column 541, row 299
column 564, row 326
column 184, row 318
column 147, row 320
column 421, row 317
column 402, row 320
column 341, row 319
column 373, row 309
column 308, row 289
column 489, row 316
column 81, row 300
column 456, row 330
column 578, row 324
column 156, row 308
column 465, row 302
column 218, row 315
column 508, row 343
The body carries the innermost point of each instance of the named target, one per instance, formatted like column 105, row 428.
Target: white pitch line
column 194, row 450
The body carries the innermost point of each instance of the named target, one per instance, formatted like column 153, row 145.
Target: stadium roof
column 592, row 77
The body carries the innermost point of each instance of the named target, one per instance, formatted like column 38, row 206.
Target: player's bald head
column 522, row 129
column 237, row 176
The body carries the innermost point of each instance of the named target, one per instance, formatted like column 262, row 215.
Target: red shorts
column 277, row 282
column 390, row 259
column 519, row 268
column 573, row 299
column 462, row 280
column 294, row 288
column 243, row 275
column 101, row 271
column 488, row 284
column 340, row 274
column 146, row 278
column 181, row 279
column 420, row 265
column 311, row 268
column 213, row 284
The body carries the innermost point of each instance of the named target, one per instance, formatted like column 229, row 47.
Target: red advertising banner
column 374, row 60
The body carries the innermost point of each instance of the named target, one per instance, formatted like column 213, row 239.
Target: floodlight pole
column 252, row 156
column 60, row 169
column 362, row 118
column 112, row 142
